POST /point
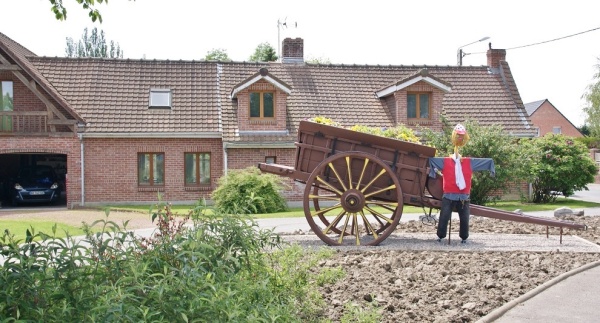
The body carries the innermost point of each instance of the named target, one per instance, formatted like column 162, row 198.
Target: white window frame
column 160, row 98
column 557, row 130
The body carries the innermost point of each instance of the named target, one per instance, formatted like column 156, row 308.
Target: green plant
column 559, row 165
column 250, row 191
column 208, row 266
column 355, row 313
column 485, row 142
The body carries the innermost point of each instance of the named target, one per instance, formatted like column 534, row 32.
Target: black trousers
column 462, row 207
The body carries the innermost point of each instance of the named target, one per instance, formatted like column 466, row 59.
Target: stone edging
column 498, row 312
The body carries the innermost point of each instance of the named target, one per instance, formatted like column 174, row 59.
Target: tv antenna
column 281, row 25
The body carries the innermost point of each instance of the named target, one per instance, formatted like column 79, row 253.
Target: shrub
column 250, row 191
column 218, row 268
column 485, row 142
column 559, row 165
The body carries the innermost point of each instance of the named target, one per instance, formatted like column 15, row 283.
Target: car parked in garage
column 36, row 184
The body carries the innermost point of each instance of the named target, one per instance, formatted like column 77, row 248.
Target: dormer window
column 418, row 105
column 262, row 105
column 160, row 98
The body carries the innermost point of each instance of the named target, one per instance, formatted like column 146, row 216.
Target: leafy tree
column 249, row 191
column 592, row 110
column 264, row 52
column 217, row 54
column 60, row 12
column 560, row 165
column 485, row 142
column 93, row 45
column 318, row 60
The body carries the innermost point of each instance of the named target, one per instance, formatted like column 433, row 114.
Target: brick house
column 548, row 119
column 122, row 130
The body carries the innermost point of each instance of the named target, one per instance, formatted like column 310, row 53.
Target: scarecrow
column 456, row 172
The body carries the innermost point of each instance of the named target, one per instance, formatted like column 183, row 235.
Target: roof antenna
column 280, row 25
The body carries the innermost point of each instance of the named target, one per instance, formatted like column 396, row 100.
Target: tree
column 592, row 110
column 217, row 54
column 560, row 165
column 93, row 45
column 485, row 142
column 318, row 60
column 264, row 52
column 60, row 12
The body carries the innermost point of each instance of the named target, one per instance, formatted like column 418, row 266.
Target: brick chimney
column 293, row 50
column 494, row 56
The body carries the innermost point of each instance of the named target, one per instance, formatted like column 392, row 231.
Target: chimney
column 494, row 56
column 293, row 51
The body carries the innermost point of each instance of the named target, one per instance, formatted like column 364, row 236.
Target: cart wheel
column 357, row 199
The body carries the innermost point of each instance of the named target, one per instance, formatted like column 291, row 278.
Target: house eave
column 399, row 86
column 257, row 78
column 267, row 145
column 180, row 135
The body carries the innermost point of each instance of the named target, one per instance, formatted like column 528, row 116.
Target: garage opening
column 33, row 179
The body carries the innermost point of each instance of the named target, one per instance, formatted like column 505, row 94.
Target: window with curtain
column 418, row 105
column 151, row 169
column 262, row 105
column 197, row 169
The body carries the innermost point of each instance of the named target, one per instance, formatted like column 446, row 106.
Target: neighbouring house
column 125, row 130
column 546, row 117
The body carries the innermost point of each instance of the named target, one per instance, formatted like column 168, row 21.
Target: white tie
column 460, row 178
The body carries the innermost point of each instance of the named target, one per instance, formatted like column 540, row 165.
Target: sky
column 374, row 32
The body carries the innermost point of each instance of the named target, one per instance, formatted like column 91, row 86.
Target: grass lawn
column 299, row 211
column 18, row 228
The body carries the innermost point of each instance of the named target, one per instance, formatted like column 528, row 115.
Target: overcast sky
column 345, row 32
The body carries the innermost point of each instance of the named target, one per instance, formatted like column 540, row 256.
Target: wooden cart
column 357, row 184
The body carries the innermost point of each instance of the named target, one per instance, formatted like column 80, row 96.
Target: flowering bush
column 559, row 165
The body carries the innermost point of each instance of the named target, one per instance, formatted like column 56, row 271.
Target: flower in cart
column 325, row 121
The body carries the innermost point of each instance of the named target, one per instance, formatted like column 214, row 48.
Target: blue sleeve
column 479, row 164
column 435, row 164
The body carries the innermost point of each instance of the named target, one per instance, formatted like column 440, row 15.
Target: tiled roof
column 21, row 56
column 113, row 94
column 346, row 93
column 531, row 107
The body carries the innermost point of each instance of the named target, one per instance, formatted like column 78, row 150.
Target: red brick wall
column 547, row 116
column 278, row 123
column 242, row 158
column 24, row 100
column 68, row 146
column 437, row 96
column 111, row 169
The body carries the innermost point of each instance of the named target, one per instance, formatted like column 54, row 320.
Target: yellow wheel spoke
column 349, row 172
column 373, row 180
column 379, row 215
column 344, row 230
column 334, row 222
column 329, row 186
column 368, row 225
column 356, row 233
column 384, row 203
column 362, row 173
column 324, row 197
column 323, row 211
column 338, row 176
column 391, row 187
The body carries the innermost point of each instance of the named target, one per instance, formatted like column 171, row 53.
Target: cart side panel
column 408, row 160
